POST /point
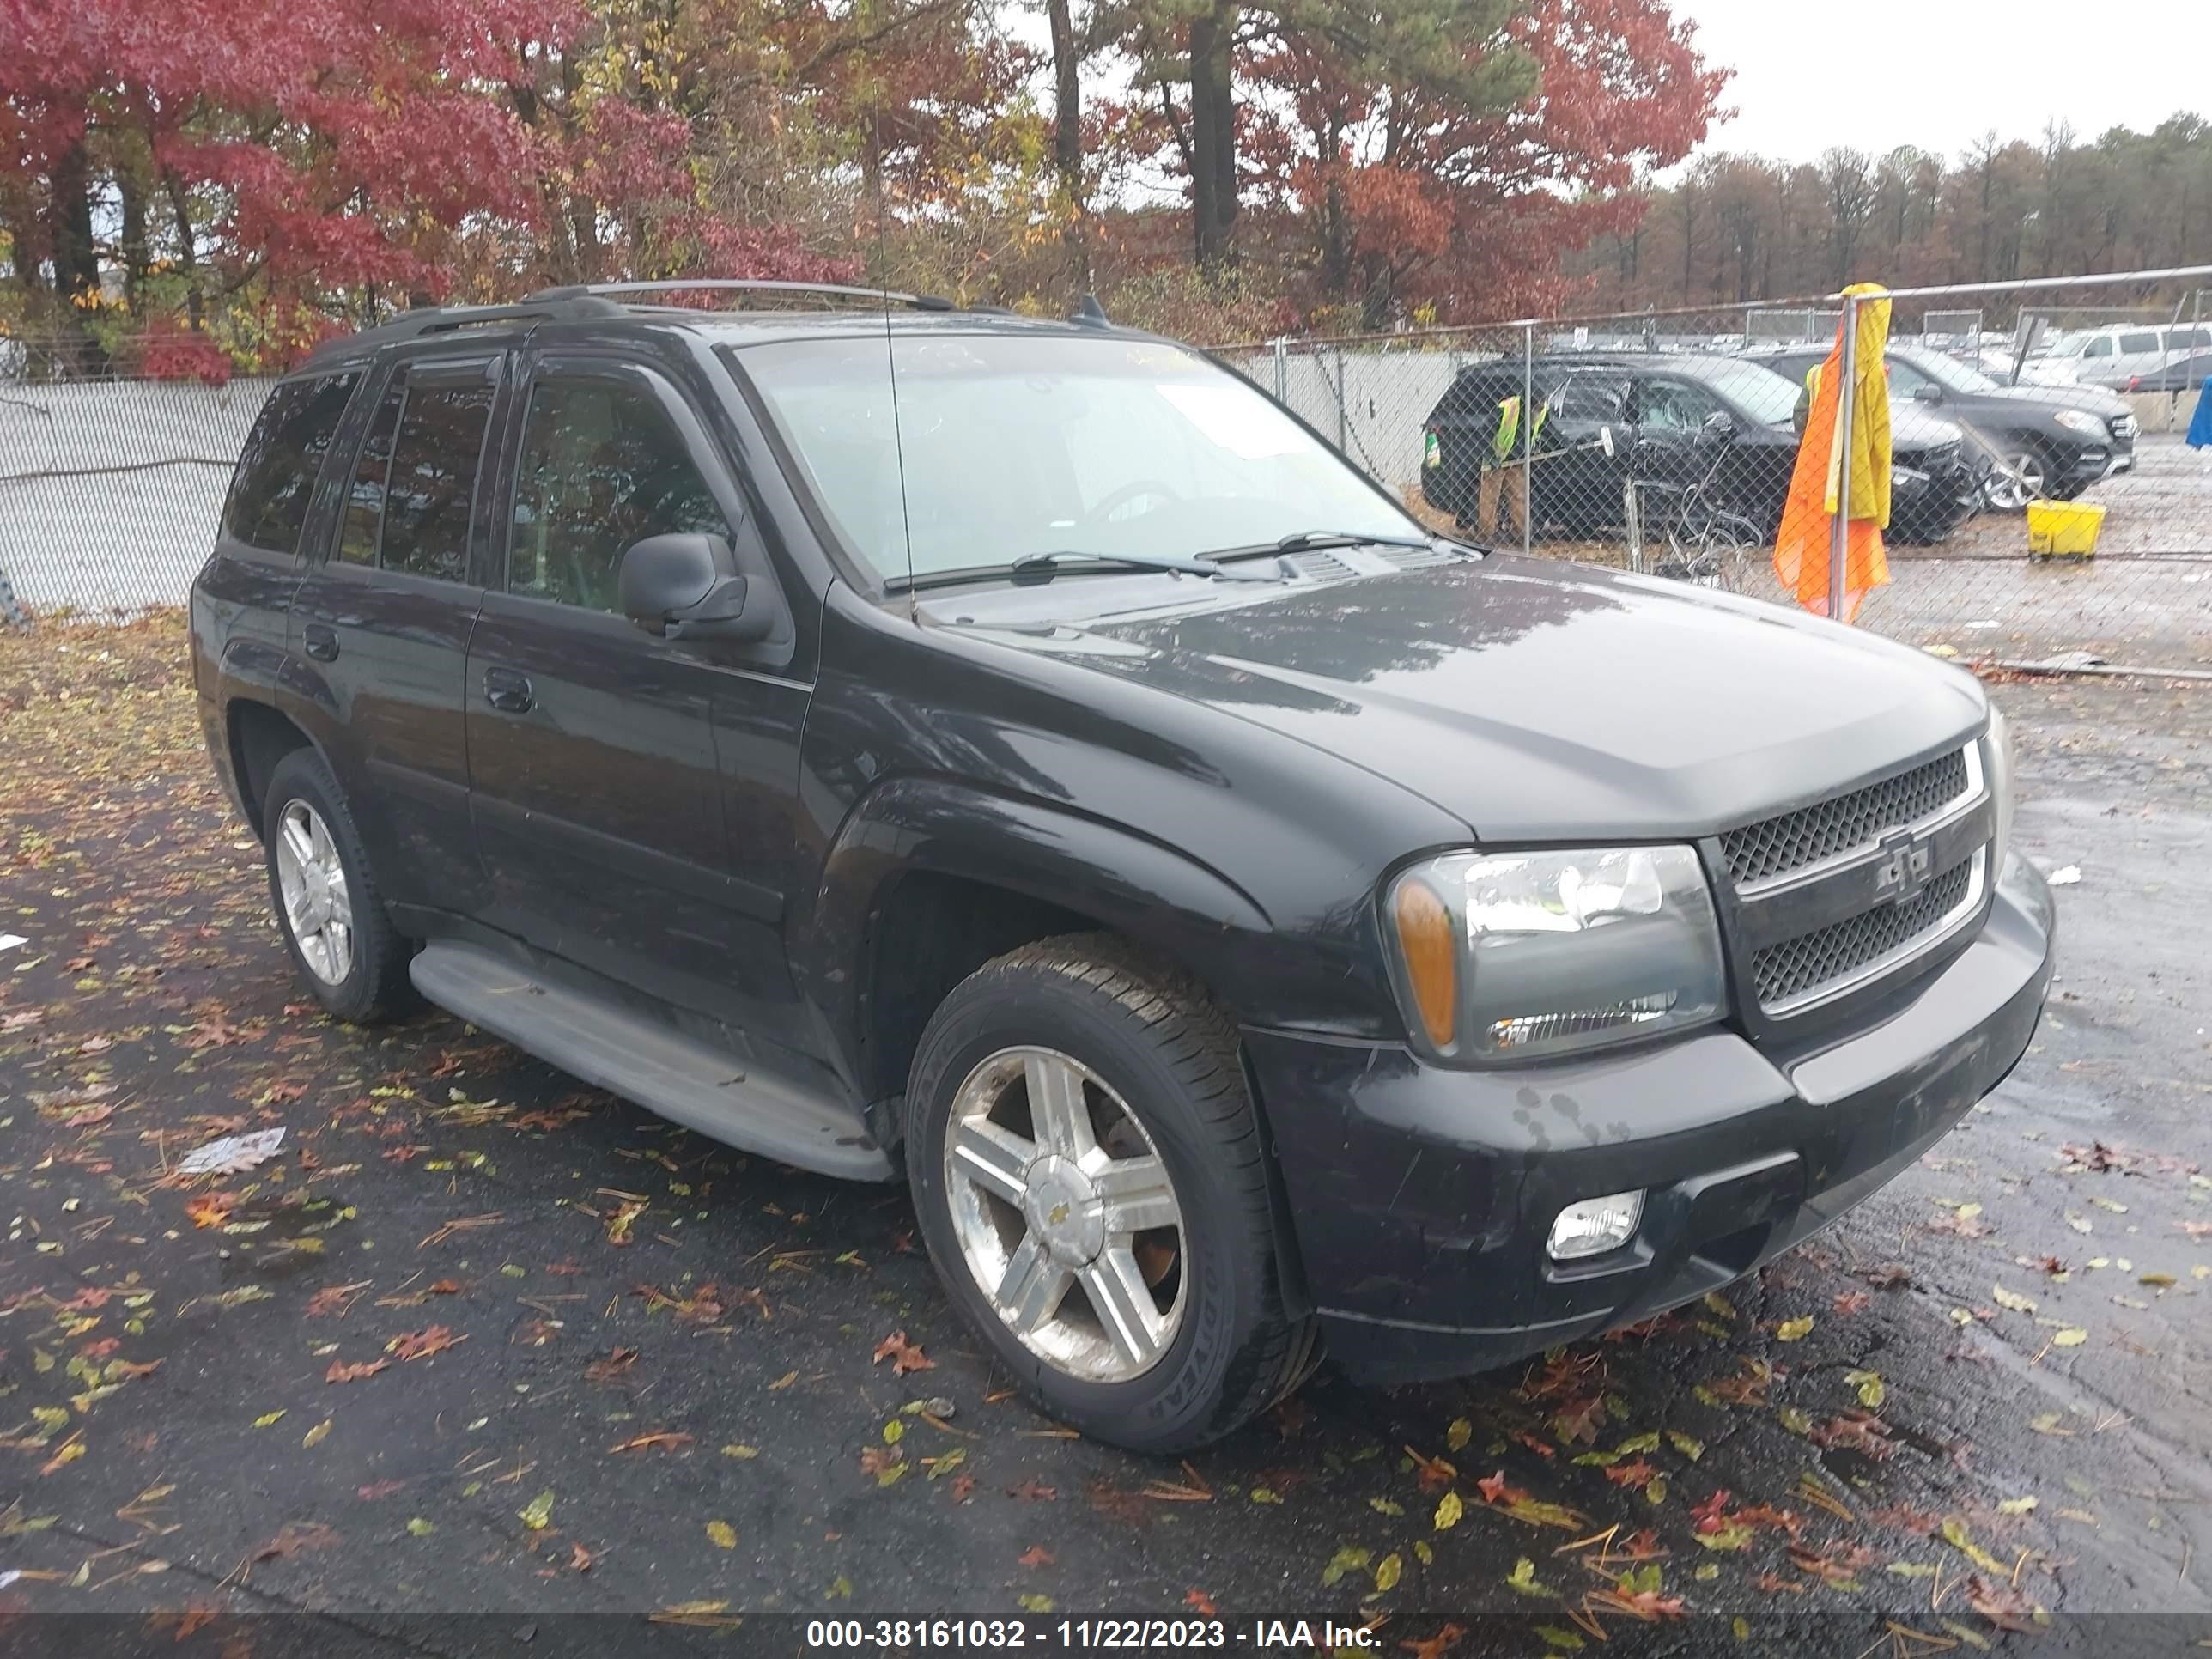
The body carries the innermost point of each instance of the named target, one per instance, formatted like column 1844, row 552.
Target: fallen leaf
column 421, row 1344
column 903, row 1355
column 721, row 1534
column 341, row 1372
column 538, row 1513
column 316, row 1436
column 2072, row 1337
column 2012, row 1299
column 1037, row 1555
column 1448, row 1511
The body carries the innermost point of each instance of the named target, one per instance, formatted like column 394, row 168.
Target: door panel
column 620, row 780
column 384, row 619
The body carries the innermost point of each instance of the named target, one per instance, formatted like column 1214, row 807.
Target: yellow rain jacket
column 1802, row 550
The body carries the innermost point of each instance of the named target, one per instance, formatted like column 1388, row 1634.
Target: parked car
column 2178, row 373
column 1656, row 406
column 1061, row 780
column 2111, row 358
column 2048, row 441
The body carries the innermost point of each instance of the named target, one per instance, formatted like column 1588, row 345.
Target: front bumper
column 1421, row 1195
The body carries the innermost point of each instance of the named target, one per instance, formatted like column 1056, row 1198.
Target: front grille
column 1783, row 973
column 1779, row 846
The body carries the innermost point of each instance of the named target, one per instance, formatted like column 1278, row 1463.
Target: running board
column 686, row 1081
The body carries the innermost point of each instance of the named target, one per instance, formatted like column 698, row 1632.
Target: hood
column 2092, row 400
column 1535, row 700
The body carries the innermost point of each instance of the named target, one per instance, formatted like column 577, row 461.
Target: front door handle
column 507, row 691
column 320, row 642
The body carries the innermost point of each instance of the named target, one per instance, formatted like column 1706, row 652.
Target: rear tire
column 328, row 907
column 1085, row 1018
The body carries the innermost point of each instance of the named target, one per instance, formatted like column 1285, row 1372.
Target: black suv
column 2049, row 442
column 1664, row 412
column 1051, row 774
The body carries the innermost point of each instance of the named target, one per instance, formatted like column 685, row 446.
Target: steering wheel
column 1136, row 490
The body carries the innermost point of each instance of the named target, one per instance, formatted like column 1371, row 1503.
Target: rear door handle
column 507, row 691
column 320, row 642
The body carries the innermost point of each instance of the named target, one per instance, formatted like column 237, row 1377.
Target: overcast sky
column 1942, row 72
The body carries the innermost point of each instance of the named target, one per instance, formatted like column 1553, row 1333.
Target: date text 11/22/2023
column 1137, row 1635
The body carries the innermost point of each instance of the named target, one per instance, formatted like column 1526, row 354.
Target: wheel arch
column 258, row 735
column 929, row 879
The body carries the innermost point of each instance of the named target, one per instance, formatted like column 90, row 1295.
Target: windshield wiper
column 1300, row 541
column 1044, row 566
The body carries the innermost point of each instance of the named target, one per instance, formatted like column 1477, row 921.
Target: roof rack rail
column 440, row 320
column 745, row 284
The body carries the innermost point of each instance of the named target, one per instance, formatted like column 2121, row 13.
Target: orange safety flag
column 1801, row 550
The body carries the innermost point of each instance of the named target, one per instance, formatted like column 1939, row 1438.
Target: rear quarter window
column 275, row 482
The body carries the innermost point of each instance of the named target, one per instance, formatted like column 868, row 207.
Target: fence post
column 1528, row 438
column 1341, row 434
column 1839, row 532
column 1282, row 370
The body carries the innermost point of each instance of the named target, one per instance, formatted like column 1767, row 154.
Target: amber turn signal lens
column 1424, row 942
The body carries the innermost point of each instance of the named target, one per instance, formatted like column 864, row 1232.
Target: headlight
column 2080, row 420
column 1513, row 956
column 1997, row 770
column 1900, row 476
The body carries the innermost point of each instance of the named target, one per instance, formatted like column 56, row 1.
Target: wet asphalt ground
column 481, row 1341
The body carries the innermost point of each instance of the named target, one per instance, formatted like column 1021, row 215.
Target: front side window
column 603, row 466
column 2100, row 347
column 430, row 487
column 1000, row 445
column 275, row 483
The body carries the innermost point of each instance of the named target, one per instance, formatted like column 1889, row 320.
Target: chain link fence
column 2040, row 508
column 110, row 488
column 1665, row 442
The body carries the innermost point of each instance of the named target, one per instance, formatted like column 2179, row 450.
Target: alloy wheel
column 312, row 880
column 2016, row 481
column 1066, row 1217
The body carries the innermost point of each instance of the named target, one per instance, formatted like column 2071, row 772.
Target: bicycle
column 1707, row 544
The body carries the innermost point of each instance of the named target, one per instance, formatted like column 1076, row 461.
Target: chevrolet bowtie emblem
column 1903, row 868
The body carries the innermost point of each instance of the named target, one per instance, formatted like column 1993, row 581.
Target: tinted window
column 1586, row 398
column 602, row 467
column 432, row 483
column 364, row 513
column 2100, row 347
column 275, row 476
column 2143, row 342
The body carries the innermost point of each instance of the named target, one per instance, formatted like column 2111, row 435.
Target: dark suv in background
column 2048, row 441
column 1053, row 776
column 1672, row 417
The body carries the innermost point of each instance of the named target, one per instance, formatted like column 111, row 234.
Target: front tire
column 1091, row 1182
column 328, row 908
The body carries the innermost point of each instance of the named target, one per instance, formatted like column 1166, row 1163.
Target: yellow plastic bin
column 2063, row 530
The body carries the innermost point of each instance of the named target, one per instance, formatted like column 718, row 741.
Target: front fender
column 1128, row 882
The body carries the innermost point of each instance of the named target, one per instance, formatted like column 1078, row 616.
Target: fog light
column 1595, row 1226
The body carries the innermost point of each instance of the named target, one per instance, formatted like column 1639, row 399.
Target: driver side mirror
column 673, row 585
column 1719, row 426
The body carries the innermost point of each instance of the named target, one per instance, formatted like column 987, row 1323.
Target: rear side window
column 275, row 482
column 429, row 483
column 364, row 513
column 2143, row 342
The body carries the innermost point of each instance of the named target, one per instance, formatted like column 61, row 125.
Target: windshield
column 1758, row 392
column 1950, row 371
column 1018, row 445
